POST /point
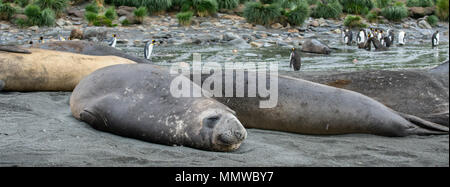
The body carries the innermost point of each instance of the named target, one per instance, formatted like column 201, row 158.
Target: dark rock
column 97, row 32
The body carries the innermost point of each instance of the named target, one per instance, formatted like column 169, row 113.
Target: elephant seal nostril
column 239, row 135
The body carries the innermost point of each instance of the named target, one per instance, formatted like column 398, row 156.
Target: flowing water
column 344, row 58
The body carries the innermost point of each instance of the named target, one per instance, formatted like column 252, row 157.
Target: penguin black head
column 41, row 38
column 30, row 42
column 153, row 41
column 114, row 35
column 293, row 49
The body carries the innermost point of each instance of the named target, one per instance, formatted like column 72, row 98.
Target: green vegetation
column 56, row 5
column 290, row 4
column 6, row 11
column 354, row 22
column 419, row 3
column 184, row 18
column 47, row 17
column 22, row 3
column 140, row 13
column 313, row 2
column 228, row 4
column 382, row 3
column 153, row 6
column 37, row 17
column 328, row 9
column 103, row 21
column 91, row 17
column 357, row 6
column 125, row 22
column 395, row 13
column 92, row 7
column 372, row 16
column 442, row 9
column 264, row 14
column 298, row 15
column 111, row 13
column 205, row 7
column 432, row 20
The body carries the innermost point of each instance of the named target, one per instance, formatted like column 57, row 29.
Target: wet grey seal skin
column 135, row 101
column 310, row 108
column 423, row 93
column 88, row 48
column 315, row 46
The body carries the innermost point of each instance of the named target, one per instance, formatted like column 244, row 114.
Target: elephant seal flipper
column 424, row 127
column 14, row 49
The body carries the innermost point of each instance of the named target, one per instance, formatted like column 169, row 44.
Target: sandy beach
column 37, row 129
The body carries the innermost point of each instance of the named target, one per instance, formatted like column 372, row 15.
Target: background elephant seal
column 46, row 70
column 135, row 101
column 423, row 93
column 310, row 108
column 89, row 48
column 315, row 46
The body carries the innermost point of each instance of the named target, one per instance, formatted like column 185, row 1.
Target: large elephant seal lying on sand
column 89, row 48
column 46, row 70
column 423, row 93
column 310, row 108
column 135, row 101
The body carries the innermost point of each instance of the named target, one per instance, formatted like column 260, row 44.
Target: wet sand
column 37, row 129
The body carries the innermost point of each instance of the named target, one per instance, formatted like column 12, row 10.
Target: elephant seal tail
column 14, row 49
column 424, row 127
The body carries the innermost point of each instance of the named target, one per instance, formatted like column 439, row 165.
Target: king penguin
column 295, row 60
column 113, row 41
column 41, row 40
column 348, row 38
column 435, row 39
column 149, row 49
column 402, row 38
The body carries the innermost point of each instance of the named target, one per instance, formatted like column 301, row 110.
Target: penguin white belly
column 437, row 39
column 149, row 52
column 401, row 38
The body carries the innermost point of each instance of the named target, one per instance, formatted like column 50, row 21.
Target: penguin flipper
column 14, row 49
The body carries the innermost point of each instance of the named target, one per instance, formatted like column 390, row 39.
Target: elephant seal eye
column 211, row 121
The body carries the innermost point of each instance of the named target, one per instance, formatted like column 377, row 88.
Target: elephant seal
column 134, row 101
column 14, row 49
column 315, row 46
column 89, row 48
column 310, row 108
column 418, row 92
column 46, row 70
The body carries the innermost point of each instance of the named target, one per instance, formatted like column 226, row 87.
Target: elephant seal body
column 315, row 46
column 88, row 48
column 418, row 92
column 309, row 108
column 46, row 70
column 135, row 101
